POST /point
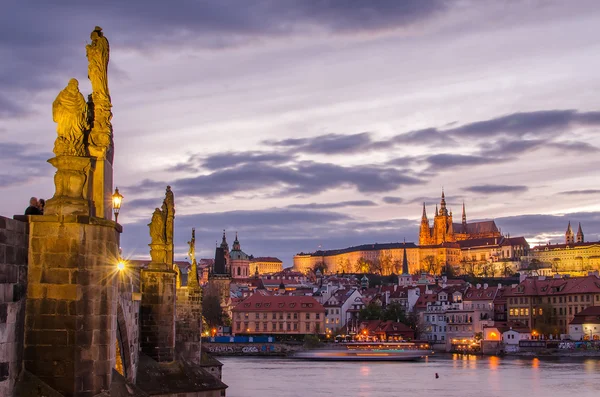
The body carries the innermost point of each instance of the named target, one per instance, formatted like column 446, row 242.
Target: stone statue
column 192, row 244
column 69, row 111
column 100, row 138
column 157, row 227
column 169, row 205
column 97, row 54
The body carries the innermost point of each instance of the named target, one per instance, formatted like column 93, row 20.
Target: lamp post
column 117, row 199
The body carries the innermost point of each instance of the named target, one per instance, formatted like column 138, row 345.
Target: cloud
column 31, row 163
column 327, row 144
column 490, row 189
column 445, row 161
column 534, row 225
column 526, row 125
column 581, row 192
column 342, row 204
column 219, row 161
column 426, row 137
column 301, row 178
column 393, row 200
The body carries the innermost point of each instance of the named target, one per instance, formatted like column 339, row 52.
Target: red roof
column 540, row 286
column 589, row 315
column 480, row 294
column 563, row 246
column 279, row 303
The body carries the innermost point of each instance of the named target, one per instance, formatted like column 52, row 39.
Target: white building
column 586, row 324
column 337, row 307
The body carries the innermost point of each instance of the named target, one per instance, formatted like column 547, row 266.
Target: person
column 33, row 207
column 41, row 205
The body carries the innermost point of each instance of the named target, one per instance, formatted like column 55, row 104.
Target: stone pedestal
column 157, row 312
column 103, row 188
column 189, row 323
column 72, row 180
column 70, row 324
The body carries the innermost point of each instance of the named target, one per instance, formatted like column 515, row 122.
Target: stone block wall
column 157, row 314
column 128, row 311
column 13, row 284
column 71, row 310
column 188, row 324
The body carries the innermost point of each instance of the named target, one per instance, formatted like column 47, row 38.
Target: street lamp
column 117, row 199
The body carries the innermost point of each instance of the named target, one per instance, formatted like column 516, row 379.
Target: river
column 459, row 376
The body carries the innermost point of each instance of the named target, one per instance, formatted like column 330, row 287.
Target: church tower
column 464, row 219
column 569, row 235
column 580, row 234
column 424, row 232
column 442, row 224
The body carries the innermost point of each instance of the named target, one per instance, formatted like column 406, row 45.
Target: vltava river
column 460, row 376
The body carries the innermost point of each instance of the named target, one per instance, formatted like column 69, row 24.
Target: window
column 307, row 327
column 289, row 316
column 246, row 316
column 295, row 326
column 570, row 310
column 308, row 316
column 540, row 312
column 238, row 326
column 264, row 316
column 511, row 312
column 295, row 316
column 289, row 326
column 281, row 326
column 587, row 298
column 527, row 311
column 575, row 298
column 281, row 316
column 570, row 298
column 264, row 326
column 257, row 316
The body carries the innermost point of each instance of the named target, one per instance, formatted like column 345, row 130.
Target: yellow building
column 265, row 265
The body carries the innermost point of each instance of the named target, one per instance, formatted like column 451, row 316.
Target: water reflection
column 459, row 376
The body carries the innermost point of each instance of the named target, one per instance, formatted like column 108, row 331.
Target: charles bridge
column 74, row 320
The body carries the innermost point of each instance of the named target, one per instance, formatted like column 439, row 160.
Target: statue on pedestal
column 100, row 138
column 193, row 272
column 157, row 227
column 69, row 112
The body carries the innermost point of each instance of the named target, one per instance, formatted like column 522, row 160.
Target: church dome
column 238, row 255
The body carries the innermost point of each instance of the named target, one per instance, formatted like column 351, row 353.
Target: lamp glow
column 121, row 265
column 117, row 199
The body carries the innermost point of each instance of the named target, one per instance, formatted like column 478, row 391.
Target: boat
column 370, row 351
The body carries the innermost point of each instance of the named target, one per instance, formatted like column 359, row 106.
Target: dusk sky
column 319, row 122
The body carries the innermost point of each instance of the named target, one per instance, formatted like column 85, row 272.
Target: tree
column 212, row 311
column 363, row 265
column 506, row 268
column 415, row 323
column 321, row 265
column 371, row 312
column 385, row 262
column 397, row 266
column 394, row 312
column 544, row 322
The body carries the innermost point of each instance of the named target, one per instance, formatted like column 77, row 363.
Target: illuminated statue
column 97, row 54
column 157, row 227
column 69, row 111
column 193, row 272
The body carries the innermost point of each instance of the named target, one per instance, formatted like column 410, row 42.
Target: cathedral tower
column 569, row 235
column 580, row 234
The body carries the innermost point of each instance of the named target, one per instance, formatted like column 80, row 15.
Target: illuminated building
column 265, row 265
column 278, row 314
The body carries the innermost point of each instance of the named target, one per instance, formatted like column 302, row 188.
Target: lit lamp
column 121, row 265
column 117, row 199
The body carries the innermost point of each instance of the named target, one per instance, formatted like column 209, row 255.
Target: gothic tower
column 580, row 234
column 569, row 235
column 424, row 232
column 464, row 219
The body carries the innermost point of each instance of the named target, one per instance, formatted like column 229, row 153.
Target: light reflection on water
column 460, row 376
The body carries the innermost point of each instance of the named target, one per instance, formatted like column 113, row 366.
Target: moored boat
column 382, row 351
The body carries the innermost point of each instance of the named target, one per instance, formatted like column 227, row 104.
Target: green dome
column 238, row 255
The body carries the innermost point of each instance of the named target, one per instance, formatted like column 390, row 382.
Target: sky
column 312, row 123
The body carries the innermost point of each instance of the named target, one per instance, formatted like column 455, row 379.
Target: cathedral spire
column 404, row 262
column 224, row 241
column 443, row 210
column 464, row 215
column 569, row 235
column 424, row 217
column 580, row 234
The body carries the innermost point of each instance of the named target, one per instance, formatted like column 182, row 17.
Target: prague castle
column 444, row 230
column 442, row 244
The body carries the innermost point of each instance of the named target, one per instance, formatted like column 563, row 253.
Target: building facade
column 278, row 314
column 265, row 265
